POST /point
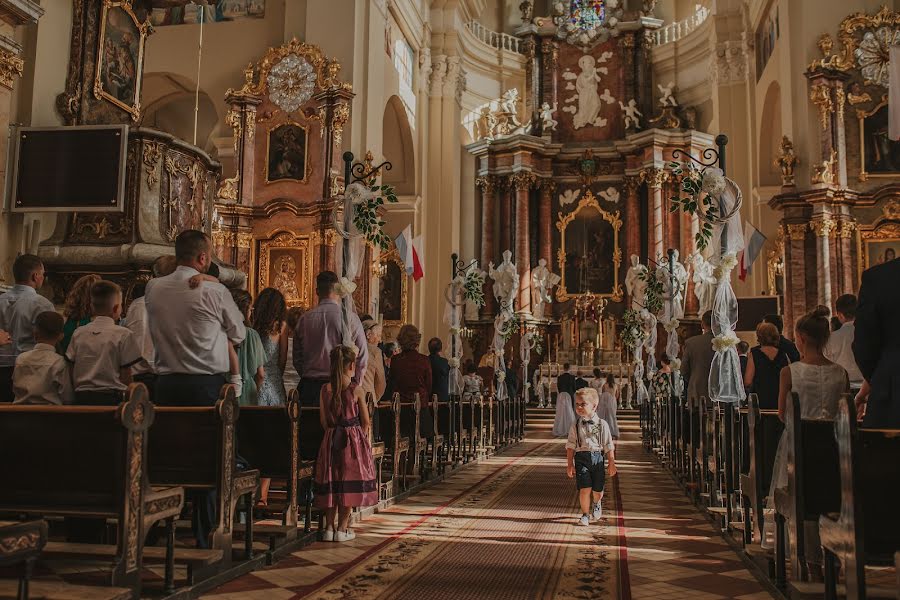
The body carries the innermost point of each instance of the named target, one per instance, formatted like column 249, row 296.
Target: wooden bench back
column 765, row 429
column 268, row 438
column 74, row 458
column 812, row 464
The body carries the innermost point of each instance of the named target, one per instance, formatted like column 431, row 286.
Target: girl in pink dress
column 345, row 470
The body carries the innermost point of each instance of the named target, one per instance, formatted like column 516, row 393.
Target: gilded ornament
column 796, row 232
column 135, row 492
column 787, row 161
column 487, row 184
column 845, row 228
column 775, row 262
column 18, row 543
column 341, row 116
column 840, row 99
column 824, row 172
column 228, row 190
column 152, row 155
column 856, row 95
column 823, row 227
column 11, row 66
column 891, row 209
column 867, row 52
column 820, row 95
column 654, row 177
column 522, row 180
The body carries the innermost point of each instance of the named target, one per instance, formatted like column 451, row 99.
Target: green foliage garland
column 473, row 287
column 653, row 300
column 632, row 329
column 695, row 201
column 366, row 219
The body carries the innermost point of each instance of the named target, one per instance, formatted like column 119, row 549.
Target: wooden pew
column 464, row 428
column 410, row 428
column 396, row 446
column 867, row 529
column 446, row 426
column 268, row 438
column 194, row 447
column 378, row 447
column 20, row 545
column 90, row 462
column 764, row 432
column 814, row 486
column 437, row 444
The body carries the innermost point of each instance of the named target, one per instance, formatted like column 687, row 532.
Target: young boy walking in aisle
column 589, row 446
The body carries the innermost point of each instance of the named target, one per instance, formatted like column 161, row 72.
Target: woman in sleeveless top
column 819, row 384
column 269, row 314
column 345, row 470
column 764, row 366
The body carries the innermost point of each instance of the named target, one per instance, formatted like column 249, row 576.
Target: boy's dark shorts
column 590, row 470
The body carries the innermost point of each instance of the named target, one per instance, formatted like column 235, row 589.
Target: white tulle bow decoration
column 345, row 288
column 453, row 318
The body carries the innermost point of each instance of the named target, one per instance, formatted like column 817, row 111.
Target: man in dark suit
column 876, row 345
column 440, row 370
column 566, row 382
column 697, row 360
column 785, row 345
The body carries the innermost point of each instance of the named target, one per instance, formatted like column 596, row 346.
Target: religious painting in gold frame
column 589, row 255
column 286, row 264
column 879, row 244
column 286, row 153
column 120, row 57
column 393, row 289
column 879, row 156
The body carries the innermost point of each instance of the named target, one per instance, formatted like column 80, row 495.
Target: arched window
column 587, row 14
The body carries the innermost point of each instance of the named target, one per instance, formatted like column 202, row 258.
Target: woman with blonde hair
column 411, row 375
column 78, row 307
column 345, row 470
column 764, row 366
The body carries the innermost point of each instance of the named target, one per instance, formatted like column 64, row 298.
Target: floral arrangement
column 345, row 287
column 473, row 287
column 671, row 325
column 632, row 329
column 501, row 376
column 703, row 189
column 453, row 362
column 723, row 342
column 510, row 326
column 365, row 215
column 726, row 266
column 653, row 299
column 538, row 343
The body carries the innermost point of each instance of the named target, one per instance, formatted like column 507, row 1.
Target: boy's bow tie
column 588, row 421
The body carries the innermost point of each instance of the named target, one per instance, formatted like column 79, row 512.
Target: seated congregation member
column 136, row 321
column 840, row 344
column 192, row 327
column 784, row 344
column 819, row 383
column 250, row 354
column 876, row 345
column 345, row 470
column 78, row 308
column 269, row 320
column 101, row 352
column 440, row 370
column 19, row 307
column 588, row 448
column 763, row 374
column 42, row 376
column 411, row 375
column 320, row 331
column 473, row 385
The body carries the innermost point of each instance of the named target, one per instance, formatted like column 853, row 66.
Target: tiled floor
column 505, row 529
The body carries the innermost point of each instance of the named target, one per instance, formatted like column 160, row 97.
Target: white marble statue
column 635, row 284
column 548, row 123
column 506, row 281
column 631, row 114
column 588, row 98
column 672, row 290
column 508, row 103
column 542, row 282
column 666, row 95
column 704, row 282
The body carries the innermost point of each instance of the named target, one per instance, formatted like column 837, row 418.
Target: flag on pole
column 753, row 244
column 411, row 253
column 894, row 94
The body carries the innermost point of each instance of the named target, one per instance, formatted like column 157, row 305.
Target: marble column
column 545, row 222
column 506, row 195
column 673, row 219
column 632, row 218
column 523, row 182
column 824, row 230
column 845, row 233
column 795, row 277
column 654, row 178
column 488, row 186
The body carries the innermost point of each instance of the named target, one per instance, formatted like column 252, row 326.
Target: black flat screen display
column 70, row 169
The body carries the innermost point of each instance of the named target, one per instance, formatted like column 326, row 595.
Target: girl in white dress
column 819, row 384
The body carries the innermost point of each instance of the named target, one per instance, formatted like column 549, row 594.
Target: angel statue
column 635, row 284
column 506, row 281
column 548, row 123
column 704, row 282
column 631, row 114
column 667, row 98
column 542, row 282
column 673, row 290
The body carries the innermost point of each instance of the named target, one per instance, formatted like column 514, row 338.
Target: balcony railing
column 495, row 39
column 675, row 31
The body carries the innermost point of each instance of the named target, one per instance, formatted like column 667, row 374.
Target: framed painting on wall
column 286, row 264
column 392, row 289
column 286, row 153
column 120, row 57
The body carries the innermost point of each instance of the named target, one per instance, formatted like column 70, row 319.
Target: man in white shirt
column 19, row 307
column 840, row 345
column 191, row 327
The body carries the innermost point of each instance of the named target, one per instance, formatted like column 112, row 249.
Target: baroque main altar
column 575, row 174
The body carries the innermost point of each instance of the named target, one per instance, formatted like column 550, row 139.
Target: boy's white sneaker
column 597, row 513
column 584, row 521
column 327, row 535
column 344, row 536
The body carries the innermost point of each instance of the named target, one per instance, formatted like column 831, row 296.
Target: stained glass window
column 587, row 14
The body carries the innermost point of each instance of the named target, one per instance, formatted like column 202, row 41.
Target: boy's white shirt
column 595, row 436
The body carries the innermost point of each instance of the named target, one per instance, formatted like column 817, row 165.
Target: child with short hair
column 589, row 444
column 102, row 352
column 42, row 376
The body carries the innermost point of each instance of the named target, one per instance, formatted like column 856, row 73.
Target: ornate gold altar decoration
column 393, row 257
column 267, row 177
column 291, row 257
column 824, row 172
column 11, row 66
column 589, row 201
column 820, row 95
column 883, row 232
column 787, row 161
column 107, row 52
column 866, row 41
column 775, row 262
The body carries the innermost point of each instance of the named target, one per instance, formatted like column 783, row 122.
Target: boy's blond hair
column 590, row 394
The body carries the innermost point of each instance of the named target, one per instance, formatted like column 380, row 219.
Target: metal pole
column 672, row 284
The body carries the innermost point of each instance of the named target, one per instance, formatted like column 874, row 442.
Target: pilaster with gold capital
column 545, row 220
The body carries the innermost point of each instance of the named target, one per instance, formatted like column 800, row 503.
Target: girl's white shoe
column 344, row 536
column 327, row 535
